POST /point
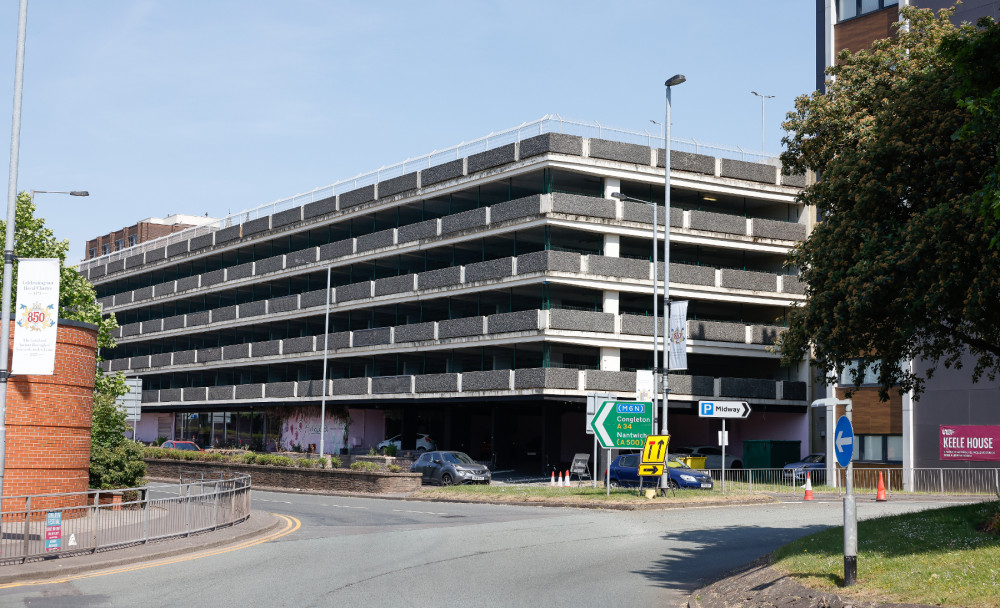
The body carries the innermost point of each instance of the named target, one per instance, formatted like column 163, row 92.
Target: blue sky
column 184, row 106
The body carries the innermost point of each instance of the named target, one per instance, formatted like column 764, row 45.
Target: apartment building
column 477, row 295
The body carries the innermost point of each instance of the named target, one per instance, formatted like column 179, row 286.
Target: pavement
column 259, row 525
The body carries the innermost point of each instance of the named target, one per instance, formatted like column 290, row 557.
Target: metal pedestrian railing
column 971, row 482
column 87, row 522
column 550, row 123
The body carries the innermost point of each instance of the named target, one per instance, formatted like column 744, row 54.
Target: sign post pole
column 723, row 442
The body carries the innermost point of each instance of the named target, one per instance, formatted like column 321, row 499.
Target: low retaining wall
column 330, row 480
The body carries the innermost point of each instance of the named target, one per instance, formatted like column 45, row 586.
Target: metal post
column 8, row 253
column 850, row 521
column 723, row 442
column 326, row 350
column 27, row 527
column 656, row 303
column 145, row 518
column 671, row 82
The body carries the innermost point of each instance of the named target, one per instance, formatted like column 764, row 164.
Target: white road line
column 418, row 512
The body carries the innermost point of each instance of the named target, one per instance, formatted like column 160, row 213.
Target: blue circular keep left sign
column 843, row 441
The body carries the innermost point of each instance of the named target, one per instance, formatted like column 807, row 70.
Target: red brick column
column 48, row 421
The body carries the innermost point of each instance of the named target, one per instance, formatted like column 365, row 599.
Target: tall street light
column 8, row 253
column 656, row 296
column 762, row 98
column 669, row 84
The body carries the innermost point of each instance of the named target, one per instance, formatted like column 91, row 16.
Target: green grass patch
column 584, row 495
column 932, row 557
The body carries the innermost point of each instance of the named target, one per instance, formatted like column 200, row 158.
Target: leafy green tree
column 115, row 461
column 900, row 265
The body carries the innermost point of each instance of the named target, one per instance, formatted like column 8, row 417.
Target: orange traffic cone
column 808, row 487
column 559, row 483
column 553, row 481
column 880, row 497
column 567, row 479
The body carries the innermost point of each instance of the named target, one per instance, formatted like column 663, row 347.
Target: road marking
column 284, row 502
column 291, row 525
column 418, row 512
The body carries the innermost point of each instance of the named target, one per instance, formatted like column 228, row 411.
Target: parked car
column 815, row 464
column 625, row 473
column 712, row 454
column 181, row 445
column 447, row 468
column 424, row 443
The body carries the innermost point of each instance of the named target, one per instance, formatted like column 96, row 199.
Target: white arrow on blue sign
column 843, row 441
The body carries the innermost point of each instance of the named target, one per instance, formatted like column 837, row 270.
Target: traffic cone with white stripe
column 567, row 478
column 560, row 483
column 880, row 497
column 553, row 481
column 808, row 487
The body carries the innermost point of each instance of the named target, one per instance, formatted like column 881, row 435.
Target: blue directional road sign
column 843, row 441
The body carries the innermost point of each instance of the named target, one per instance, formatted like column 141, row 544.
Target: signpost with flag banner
column 36, row 317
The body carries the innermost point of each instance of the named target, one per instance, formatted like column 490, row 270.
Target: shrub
column 117, row 467
column 336, row 462
column 364, row 465
column 394, row 468
column 282, row 461
column 390, row 450
column 305, row 463
column 323, row 462
column 249, row 458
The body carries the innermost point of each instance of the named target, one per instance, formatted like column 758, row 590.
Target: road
column 385, row 553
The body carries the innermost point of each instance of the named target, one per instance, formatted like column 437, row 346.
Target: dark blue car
column 625, row 473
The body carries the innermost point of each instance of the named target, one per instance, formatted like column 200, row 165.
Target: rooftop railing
column 550, row 123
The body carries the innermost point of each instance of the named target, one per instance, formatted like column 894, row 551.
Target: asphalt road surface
column 387, row 553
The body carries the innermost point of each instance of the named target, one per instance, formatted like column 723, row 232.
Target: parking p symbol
column 707, row 408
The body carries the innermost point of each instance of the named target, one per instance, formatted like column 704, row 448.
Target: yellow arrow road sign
column 651, row 470
column 655, row 450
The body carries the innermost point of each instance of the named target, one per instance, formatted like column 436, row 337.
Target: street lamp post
column 669, row 84
column 762, row 98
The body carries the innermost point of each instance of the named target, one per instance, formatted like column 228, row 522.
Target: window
column 847, row 9
column 105, row 249
column 880, row 448
column 132, row 240
column 118, row 245
column 93, row 252
column 871, row 372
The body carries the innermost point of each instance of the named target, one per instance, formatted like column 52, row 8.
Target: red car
column 181, row 445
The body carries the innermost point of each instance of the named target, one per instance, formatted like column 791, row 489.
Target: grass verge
column 933, row 557
column 580, row 496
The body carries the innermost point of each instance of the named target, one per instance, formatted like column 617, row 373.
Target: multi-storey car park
column 478, row 299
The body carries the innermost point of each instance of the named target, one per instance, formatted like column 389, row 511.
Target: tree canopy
column 901, row 264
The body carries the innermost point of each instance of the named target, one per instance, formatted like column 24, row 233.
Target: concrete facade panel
column 588, row 206
column 286, row 217
column 376, row 240
column 177, row 248
column 603, row 380
column 466, row 220
column 517, row 208
column 236, row 351
column 160, row 359
column 335, row 250
column 491, row 158
column 749, row 279
column 256, row 226
column 754, row 172
column 221, row 393
column 748, row 388
column 209, row 354
column 544, row 261
column 457, row 328
column 188, row 283
column 492, row 269
column 414, row 332
column 392, row 385
column 198, row 318
column 416, row 232
column 175, row 322
column 687, row 161
column 443, row 277
column 692, row 275
column 360, row 196
column 582, row 320
column 772, row 229
column 616, row 150
column 249, row 391
column 226, row 313
column 495, row 380
column 349, row 386
column 201, row 241
column 318, row 208
column 305, row 344
column 154, row 325
column 164, row 289
column 397, row 185
column 253, row 309
column 227, row 235
column 716, row 331
column 372, row 337
column 718, row 222
column 283, row 304
column 301, row 257
column 269, row 348
column 267, row 265
column 436, row 383
column 213, row 277
column 143, row 293
column 279, row 390
column 559, row 143
column 765, row 334
column 354, row 291
column 626, row 268
column 551, row 377
column 526, row 320
column 390, row 285
column 311, row 299
column 443, row 172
